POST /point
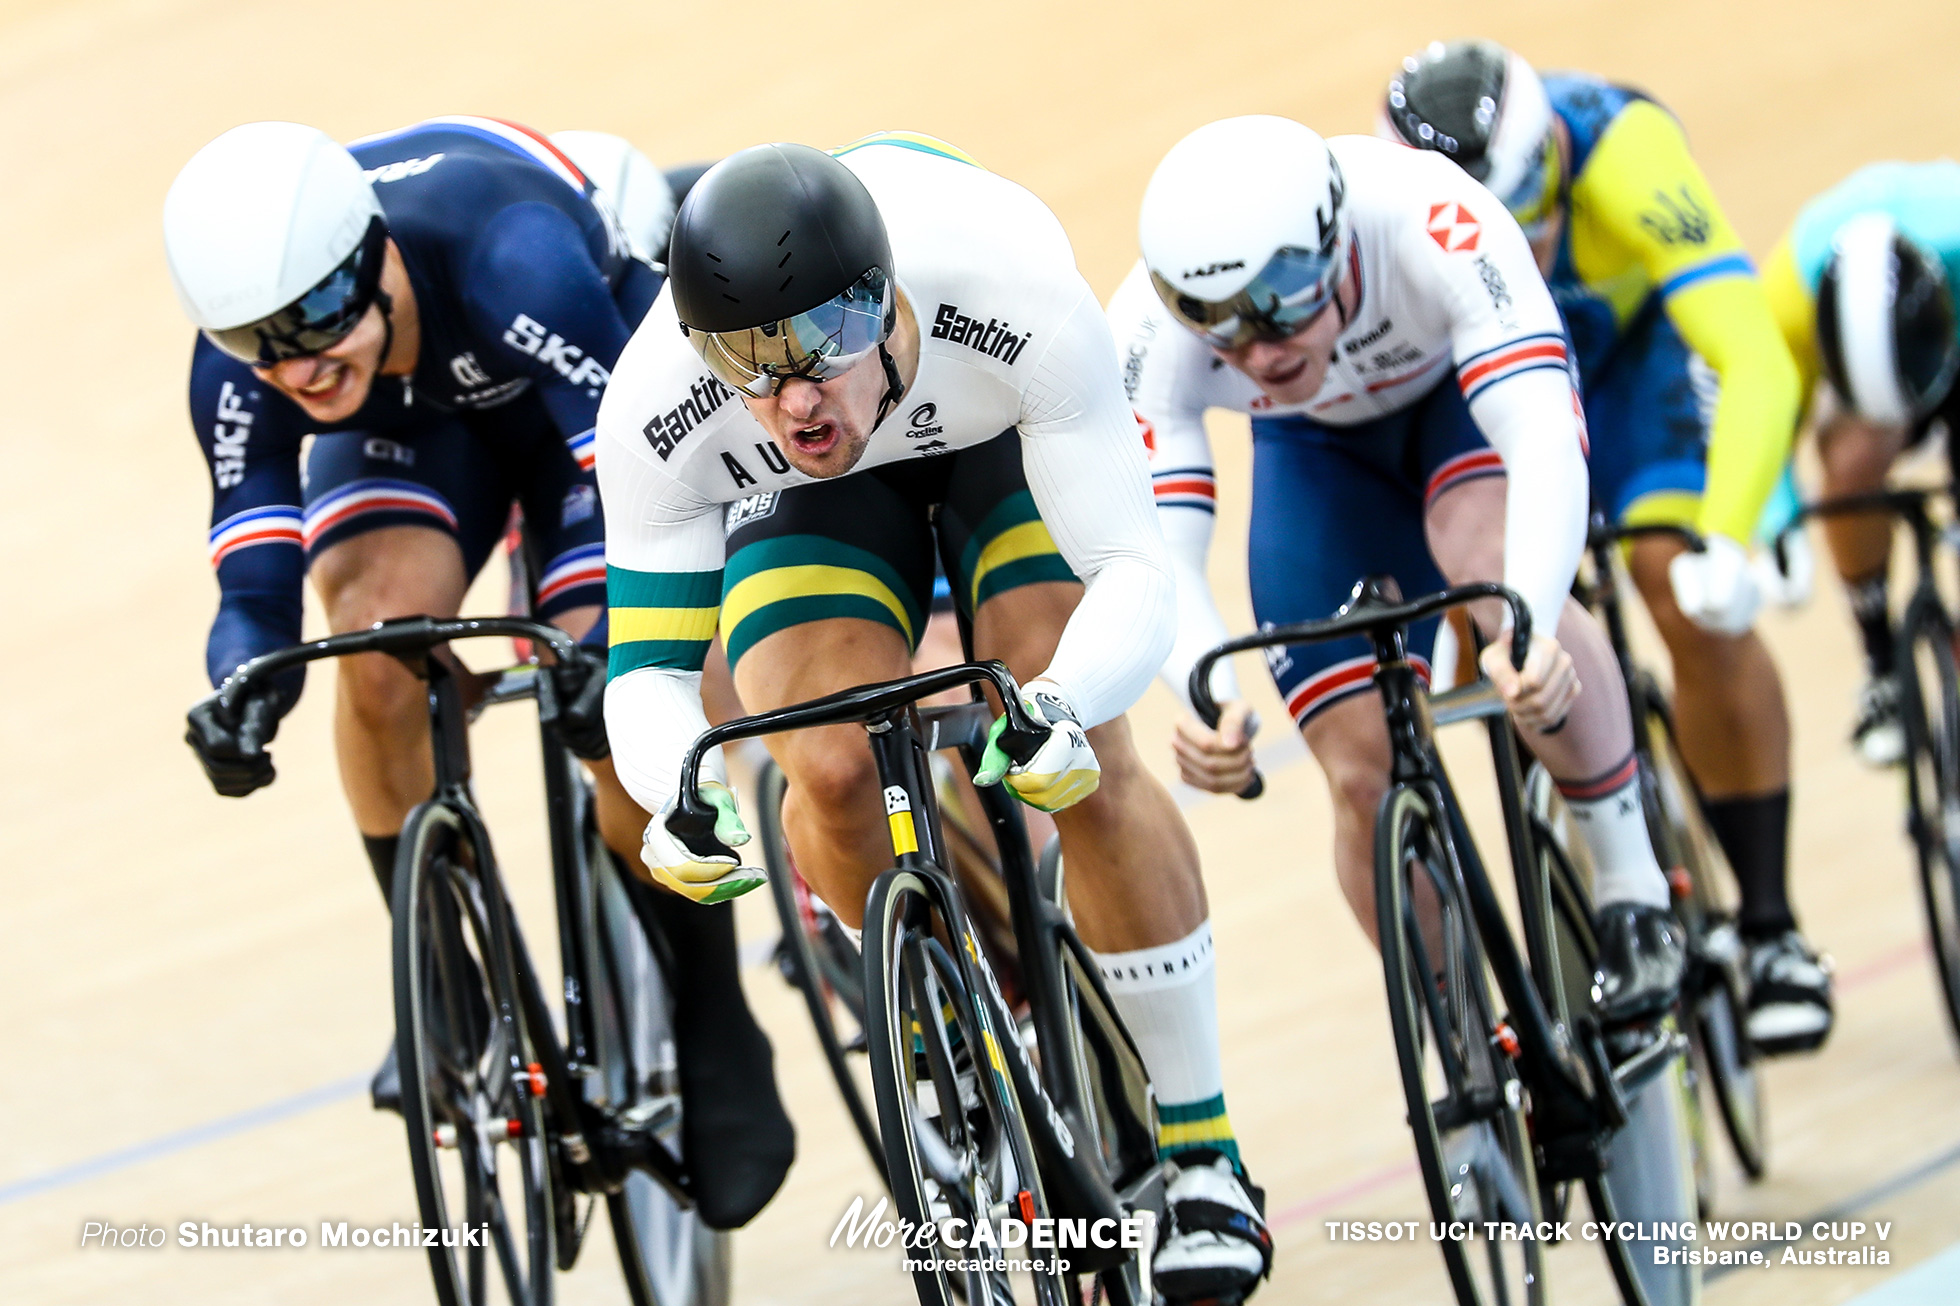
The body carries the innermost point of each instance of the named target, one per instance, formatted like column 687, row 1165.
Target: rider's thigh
column 1350, row 741
column 1465, row 528
column 393, row 571
column 1023, row 626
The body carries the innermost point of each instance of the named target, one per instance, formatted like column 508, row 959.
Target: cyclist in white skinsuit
column 917, row 363
column 1382, row 321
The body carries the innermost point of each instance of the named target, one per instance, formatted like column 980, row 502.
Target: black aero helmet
column 780, row 267
column 1484, row 108
column 1885, row 323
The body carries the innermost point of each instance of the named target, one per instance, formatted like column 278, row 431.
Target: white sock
column 1168, row 997
column 1610, row 818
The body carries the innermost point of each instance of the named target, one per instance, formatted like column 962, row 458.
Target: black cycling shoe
column 1215, row 1247
column 385, row 1089
column 1641, row 959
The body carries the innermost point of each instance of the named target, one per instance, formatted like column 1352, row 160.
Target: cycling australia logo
column 993, row 337
column 924, row 425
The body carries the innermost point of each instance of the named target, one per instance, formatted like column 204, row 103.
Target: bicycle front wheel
column 957, row 1151
column 1932, row 711
column 470, row 1083
column 1465, row 1102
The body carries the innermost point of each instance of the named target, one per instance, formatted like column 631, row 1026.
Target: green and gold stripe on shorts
column 919, row 141
column 660, row 618
column 1011, row 548
column 777, row 583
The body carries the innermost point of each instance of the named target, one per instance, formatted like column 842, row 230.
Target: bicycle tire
column 1717, row 988
column 666, row 1254
column 820, row 962
column 1476, row 1160
column 975, row 1153
column 1650, row 1171
column 1931, row 687
column 460, row 1094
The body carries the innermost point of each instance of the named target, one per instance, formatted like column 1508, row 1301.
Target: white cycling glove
column 1789, row 585
column 704, row 877
column 1717, row 587
column 1063, row 770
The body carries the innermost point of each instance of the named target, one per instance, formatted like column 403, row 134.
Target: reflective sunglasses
column 1294, row 287
column 818, row 344
column 319, row 319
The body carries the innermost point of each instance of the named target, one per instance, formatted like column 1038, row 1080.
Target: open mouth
column 815, row 440
column 327, row 385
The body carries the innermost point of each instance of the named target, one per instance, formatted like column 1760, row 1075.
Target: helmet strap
column 894, row 388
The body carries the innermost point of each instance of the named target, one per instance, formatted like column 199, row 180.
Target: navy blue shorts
column 1332, row 504
column 460, row 476
column 1648, row 410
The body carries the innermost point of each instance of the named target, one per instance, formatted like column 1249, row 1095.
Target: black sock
column 1755, row 834
column 1874, row 617
column 735, row 1134
column 381, row 855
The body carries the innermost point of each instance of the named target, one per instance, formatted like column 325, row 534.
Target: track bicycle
column 1929, row 702
column 978, row 1120
column 513, row 1130
column 1715, row 989
column 818, row 958
column 1515, row 1093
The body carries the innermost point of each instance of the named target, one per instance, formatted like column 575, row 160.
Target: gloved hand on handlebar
column 1062, row 772
column 576, row 710
column 230, row 743
column 708, row 874
column 1716, row 588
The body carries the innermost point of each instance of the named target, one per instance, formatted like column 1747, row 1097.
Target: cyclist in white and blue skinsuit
column 439, row 310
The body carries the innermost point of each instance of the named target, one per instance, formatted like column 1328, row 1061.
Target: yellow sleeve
column 1643, row 186
column 1795, row 312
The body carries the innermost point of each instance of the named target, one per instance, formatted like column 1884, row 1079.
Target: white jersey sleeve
column 1508, row 344
column 1165, row 371
column 1086, row 471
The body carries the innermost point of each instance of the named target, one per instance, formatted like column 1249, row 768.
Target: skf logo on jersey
column 993, row 338
column 1213, row 269
column 668, row 429
column 406, row 168
column 1452, row 227
column 924, row 427
column 233, row 429
column 527, row 335
column 468, row 372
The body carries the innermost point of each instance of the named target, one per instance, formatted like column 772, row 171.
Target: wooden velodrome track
column 173, row 961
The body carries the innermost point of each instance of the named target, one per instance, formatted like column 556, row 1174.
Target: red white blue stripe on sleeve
column 1185, row 487
column 585, row 448
column 277, row 523
column 1480, row 372
column 568, row 573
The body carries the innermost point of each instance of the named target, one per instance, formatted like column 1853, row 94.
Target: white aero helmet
column 1245, row 229
column 638, row 191
column 1885, row 322
column 275, row 241
column 1483, row 107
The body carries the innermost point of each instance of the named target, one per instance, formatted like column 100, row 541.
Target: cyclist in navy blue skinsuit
column 439, row 309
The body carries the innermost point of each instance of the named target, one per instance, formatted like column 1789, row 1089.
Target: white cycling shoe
column 1216, row 1247
column 1879, row 733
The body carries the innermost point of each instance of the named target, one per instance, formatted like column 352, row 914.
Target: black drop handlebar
column 1370, row 610
column 402, row 637
column 693, row 820
column 1601, row 533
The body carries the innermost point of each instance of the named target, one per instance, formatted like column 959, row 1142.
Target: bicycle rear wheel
column 470, row 1085
column 1717, row 988
column 667, row 1255
column 1932, row 712
column 1465, row 1101
column 956, row 1143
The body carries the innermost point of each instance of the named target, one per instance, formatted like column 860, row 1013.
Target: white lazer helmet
column 275, row 241
column 638, row 190
column 1245, row 229
column 1885, row 323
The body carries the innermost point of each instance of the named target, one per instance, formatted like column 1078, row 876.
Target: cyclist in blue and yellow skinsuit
column 1691, row 401
column 1863, row 288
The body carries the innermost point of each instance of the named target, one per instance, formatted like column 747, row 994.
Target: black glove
column 573, row 703
column 231, row 744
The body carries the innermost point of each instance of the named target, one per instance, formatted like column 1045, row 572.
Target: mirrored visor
column 1293, row 288
column 319, row 319
column 823, row 342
